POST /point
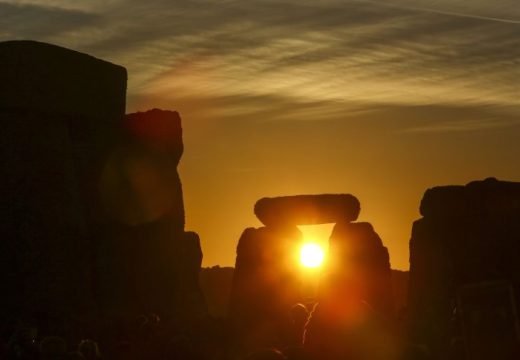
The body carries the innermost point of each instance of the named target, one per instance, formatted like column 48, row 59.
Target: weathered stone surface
column 355, row 301
column 476, row 198
column 156, row 130
column 265, row 286
column 190, row 299
column 140, row 182
column 59, row 111
column 159, row 262
column 468, row 235
column 307, row 209
column 359, row 266
column 148, row 268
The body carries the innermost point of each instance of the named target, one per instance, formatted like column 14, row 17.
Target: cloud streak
column 441, row 12
column 28, row 21
column 342, row 51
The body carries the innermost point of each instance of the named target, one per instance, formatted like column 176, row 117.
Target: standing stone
column 359, row 265
column 354, row 315
column 58, row 110
column 140, row 183
column 265, row 286
column 468, row 236
column 157, row 263
column 267, row 281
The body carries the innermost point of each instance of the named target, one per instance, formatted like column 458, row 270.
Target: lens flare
column 311, row 255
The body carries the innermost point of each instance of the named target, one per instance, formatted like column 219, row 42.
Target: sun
column 311, row 255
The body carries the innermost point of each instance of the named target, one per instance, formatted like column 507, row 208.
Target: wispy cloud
column 407, row 52
column 463, row 125
column 506, row 19
column 30, row 21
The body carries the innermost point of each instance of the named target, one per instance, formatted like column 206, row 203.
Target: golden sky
column 380, row 99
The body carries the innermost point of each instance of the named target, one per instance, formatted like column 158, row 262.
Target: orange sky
column 380, row 99
column 377, row 155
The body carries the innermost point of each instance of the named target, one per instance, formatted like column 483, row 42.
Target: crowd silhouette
column 318, row 334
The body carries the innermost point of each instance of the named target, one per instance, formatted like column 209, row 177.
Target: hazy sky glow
column 380, row 99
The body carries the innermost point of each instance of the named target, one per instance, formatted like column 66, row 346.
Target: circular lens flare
column 311, row 255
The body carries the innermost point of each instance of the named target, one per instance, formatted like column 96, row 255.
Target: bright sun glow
column 311, row 255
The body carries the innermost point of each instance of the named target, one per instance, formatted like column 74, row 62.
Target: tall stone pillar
column 58, row 111
column 464, row 270
column 146, row 262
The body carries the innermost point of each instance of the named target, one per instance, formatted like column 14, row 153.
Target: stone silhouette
column 215, row 283
column 158, row 263
column 265, row 286
column 59, row 111
column 355, row 302
column 140, row 183
column 359, row 264
column 267, row 278
column 92, row 210
column 468, row 236
column 400, row 288
column 307, row 209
